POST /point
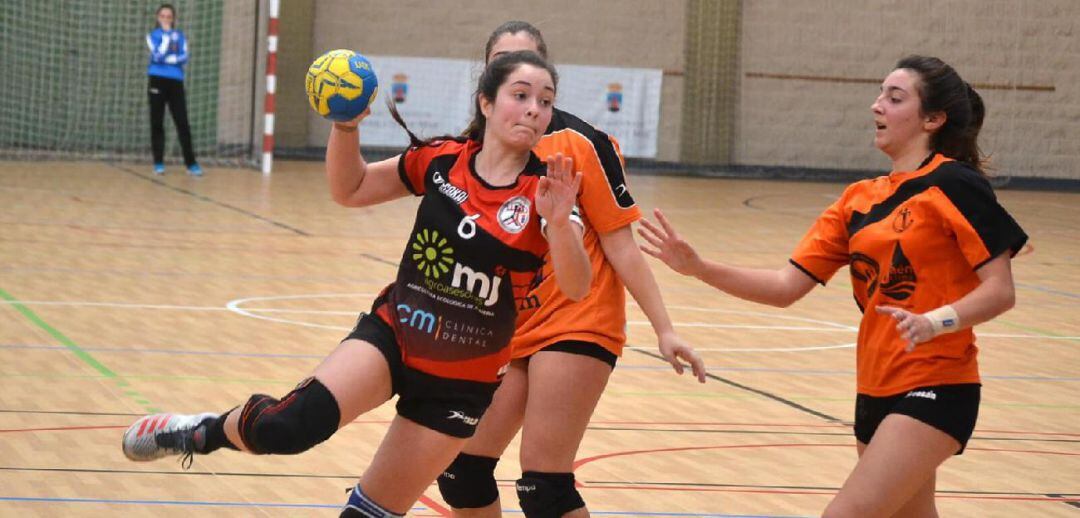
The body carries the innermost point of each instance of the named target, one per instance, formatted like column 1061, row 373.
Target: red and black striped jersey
column 912, row 240
column 473, row 250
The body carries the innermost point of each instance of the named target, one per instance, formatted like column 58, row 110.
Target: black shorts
column 590, row 349
column 952, row 409
column 450, row 406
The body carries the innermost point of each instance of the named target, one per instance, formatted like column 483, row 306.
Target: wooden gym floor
column 122, row 293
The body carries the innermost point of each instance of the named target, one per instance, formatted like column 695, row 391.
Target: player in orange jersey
column 929, row 249
column 564, row 351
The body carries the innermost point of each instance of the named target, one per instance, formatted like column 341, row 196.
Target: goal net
column 74, row 79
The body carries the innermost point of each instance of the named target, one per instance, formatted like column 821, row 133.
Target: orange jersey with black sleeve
column 474, row 250
column 912, row 240
column 546, row 315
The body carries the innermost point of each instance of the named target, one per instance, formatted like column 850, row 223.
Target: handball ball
column 340, row 85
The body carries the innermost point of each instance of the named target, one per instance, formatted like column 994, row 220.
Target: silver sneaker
column 160, row 435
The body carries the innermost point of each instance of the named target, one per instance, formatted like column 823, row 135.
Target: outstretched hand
column 913, row 328
column 556, row 193
column 668, row 247
column 674, row 349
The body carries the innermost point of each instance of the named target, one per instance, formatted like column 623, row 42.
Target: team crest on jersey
column 514, row 214
column 902, row 220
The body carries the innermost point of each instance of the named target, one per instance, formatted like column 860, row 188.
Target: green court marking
column 200, row 379
column 86, row 357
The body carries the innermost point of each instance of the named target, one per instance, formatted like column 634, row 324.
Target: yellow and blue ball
column 341, row 84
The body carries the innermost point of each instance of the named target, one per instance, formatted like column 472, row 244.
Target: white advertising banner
column 622, row 102
column 434, row 96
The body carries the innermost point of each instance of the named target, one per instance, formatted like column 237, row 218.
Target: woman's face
column 507, row 43
column 165, row 18
column 521, row 110
column 898, row 117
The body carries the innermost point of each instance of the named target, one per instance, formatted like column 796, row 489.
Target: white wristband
column 943, row 319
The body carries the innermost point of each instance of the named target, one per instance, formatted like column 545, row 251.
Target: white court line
column 234, row 307
column 742, row 326
column 776, row 316
column 756, row 349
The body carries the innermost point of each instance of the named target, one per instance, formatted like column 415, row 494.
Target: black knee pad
column 469, row 482
column 547, row 495
column 305, row 417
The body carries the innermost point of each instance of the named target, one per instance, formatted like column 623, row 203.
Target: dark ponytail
column 942, row 90
column 415, row 141
column 495, row 74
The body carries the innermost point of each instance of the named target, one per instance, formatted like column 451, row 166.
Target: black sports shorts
column 952, row 409
column 583, row 348
column 446, row 405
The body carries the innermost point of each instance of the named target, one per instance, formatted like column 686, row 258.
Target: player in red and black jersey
column 438, row 336
column 929, row 251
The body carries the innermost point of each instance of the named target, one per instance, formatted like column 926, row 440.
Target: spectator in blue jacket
column 168, row 54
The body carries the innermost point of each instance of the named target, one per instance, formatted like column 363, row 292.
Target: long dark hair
column 942, row 90
column 514, row 27
column 158, row 11
column 495, row 74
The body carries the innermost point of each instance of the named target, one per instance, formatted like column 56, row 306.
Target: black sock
column 210, row 435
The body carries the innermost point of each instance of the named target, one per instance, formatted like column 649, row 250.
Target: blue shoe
column 159, row 169
column 194, row 170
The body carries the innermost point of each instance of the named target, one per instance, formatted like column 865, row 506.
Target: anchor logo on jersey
column 902, row 220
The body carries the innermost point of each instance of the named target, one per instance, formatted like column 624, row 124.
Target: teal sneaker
column 159, row 169
column 194, row 170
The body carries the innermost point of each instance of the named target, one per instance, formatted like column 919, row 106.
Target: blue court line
column 692, row 515
column 339, row 506
column 801, row 372
column 1048, row 290
column 169, row 502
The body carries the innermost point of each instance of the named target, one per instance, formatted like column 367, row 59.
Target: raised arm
column 158, row 43
column 622, row 252
column 779, row 288
column 353, row 181
column 555, row 197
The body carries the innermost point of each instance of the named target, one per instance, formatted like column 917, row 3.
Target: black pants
column 164, row 91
